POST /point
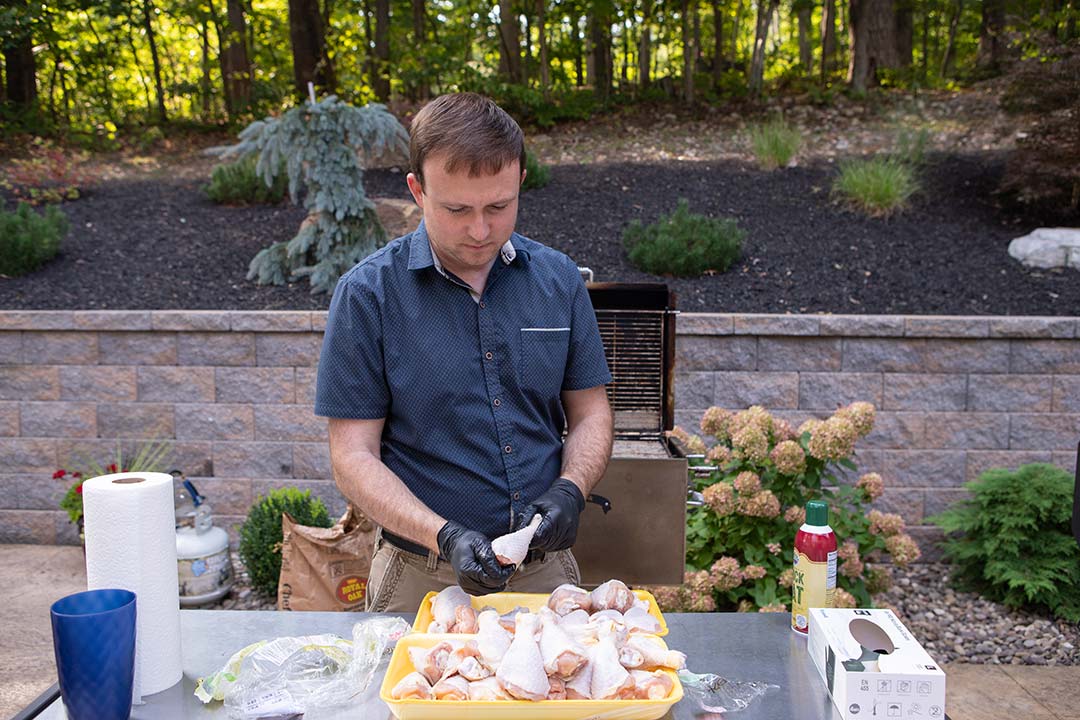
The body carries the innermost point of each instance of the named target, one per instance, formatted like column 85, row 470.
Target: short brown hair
column 471, row 129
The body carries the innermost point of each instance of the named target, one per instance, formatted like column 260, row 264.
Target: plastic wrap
column 715, row 694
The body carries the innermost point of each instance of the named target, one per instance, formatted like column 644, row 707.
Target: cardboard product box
column 873, row 666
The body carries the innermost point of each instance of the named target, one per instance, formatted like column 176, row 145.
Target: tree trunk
column 579, row 55
column 718, row 44
column 600, row 39
column 735, row 28
column 421, row 90
column 235, row 63
column 688, row 54
column 509, row 43
column 307, row 33
column 644, row 57
column 204, row 80
column 151, row 38
column 541, row 40
column 873, row 41
column 804, row 10
column 766, row 8
column 380, row 82
column 991, row 42
column 21, row 74
column 954, row 22
column 828, row 37
column 905, row 32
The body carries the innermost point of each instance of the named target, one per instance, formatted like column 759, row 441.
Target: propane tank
column 204, row 566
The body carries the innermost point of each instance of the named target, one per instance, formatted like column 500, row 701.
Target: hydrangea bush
column 740, row 541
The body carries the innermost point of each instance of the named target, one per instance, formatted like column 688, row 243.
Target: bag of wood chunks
column 325, row 568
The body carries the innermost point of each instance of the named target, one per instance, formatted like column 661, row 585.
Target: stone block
column 923, row 468
column 939, row 500
column 803, row 354
column 306, row 378
column 36, row 320
column 318, row 320
column 199, row 348
column 862, row 325
column 10, row 347
column 1031, row 327
column 715, row 353
column 29, row 527
column 312, row 460
column 75, row 453
column 60, row 348
column 942, row 326
column 693, row 390
column 1065, row 460
column 22, row 382
column 29, row 455
column 1060, row 357
column 828, row 391
column 783, row 325
column 190, row 320
column 255, row 385
column 135, row 420
column 288, row 349
column 1010, row 393
column 689, row 420
column 105, row 383
column 210, row 421
column 971, row 431
column 1044, row 431
column 908, row 503
column 253, row 459
column 705, row 324
column 905, row 391
column 175, row 384
column 9, row 419
column 773, row 390
column 289, row 422
column 58, row 419
column 966, row 356
column 979, row 461
column 883, row 355
column 227, row 496
column 137, row 348
column 67, row 532
column 271, row 321
column 37, row 492
column 193, row 457
column 867, row 460
column 324, row 490
column 111, row 319
column 1066, row 394
column 896, row 430
column 929, row 539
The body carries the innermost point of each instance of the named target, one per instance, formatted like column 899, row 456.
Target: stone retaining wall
column 234, row 392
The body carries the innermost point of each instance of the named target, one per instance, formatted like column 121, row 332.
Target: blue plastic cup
column 94, row 642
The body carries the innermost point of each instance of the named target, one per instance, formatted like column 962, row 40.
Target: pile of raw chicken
column 582, row 645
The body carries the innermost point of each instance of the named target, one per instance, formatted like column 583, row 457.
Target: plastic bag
column 293, row 675
column 716, row 694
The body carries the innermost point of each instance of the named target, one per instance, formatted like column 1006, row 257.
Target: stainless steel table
column 739, row 646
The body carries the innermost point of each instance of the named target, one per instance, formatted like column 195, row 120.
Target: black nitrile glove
column 560, row 507
column 469, row 553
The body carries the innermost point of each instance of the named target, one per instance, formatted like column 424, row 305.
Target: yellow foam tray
column 401, row 665
column 506, row 601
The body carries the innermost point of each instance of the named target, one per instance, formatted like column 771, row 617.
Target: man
column 453, row 358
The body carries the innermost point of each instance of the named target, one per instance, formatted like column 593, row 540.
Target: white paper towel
column 131, row 544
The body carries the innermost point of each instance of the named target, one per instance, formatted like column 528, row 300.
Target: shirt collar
column 421, row 255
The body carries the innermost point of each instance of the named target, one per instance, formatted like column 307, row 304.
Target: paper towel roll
column 131, row 544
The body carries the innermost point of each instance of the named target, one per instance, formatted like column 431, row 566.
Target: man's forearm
column 587, row 450
column 366, row 482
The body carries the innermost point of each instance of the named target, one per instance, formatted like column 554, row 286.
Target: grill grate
column 634, row 346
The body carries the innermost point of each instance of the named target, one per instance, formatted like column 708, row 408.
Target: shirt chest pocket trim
column 543, row 357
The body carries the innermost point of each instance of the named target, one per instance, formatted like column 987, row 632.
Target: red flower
column 76, row 475
column 111, row 468
column 78, row 488
column 59, row 474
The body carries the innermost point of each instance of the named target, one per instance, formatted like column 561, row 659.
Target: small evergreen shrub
column 1012, row 541
column 774, row 143
column 237, row 183
column 261, row 536
column 537, row 175
column 29, row 240
column 684, row 244
column 879, row 186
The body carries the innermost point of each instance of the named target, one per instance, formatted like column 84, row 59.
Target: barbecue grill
column 641, row 538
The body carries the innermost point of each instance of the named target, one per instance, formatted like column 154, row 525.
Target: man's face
column 468, row 219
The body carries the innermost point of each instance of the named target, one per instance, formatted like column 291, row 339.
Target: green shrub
column 774, row 143
column 237, row 183
column 754, row 482
column 537, row 175
column 1012, row 541
column 261, row 536
column 879, row 186
column 911, row 146
column 29, row 240
column 684, row 244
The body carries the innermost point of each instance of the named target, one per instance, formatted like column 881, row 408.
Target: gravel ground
column 952, row 626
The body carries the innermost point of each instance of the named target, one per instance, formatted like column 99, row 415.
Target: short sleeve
column 351, row 381
column 586, row 366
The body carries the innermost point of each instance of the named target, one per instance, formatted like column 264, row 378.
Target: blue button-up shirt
column 469, row 388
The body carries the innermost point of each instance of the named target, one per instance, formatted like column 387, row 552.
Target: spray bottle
column 814, row 582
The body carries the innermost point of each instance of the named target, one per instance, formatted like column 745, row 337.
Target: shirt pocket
column 543, row 358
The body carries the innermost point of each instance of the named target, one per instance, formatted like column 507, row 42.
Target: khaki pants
column 399, row 580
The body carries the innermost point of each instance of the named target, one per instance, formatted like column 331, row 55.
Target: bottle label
column 813, row 585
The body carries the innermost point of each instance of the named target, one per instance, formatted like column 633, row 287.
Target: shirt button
column 508, row 449
column 516, row 496
column 488, row 356
column 482, row 305
column 496, row 402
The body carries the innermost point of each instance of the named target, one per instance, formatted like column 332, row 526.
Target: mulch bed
column 159, row 243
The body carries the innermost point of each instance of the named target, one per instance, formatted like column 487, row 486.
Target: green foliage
column 911, row 146
column 878, row 186
column 755, row 482
column 317, row 145
column 29, row 240
column 1012, row 539
column 537, row 175
column 775, row 143
column 261, row 535
column 684, row 244
column 237, row 183
column 49, row 174
column 150, row 457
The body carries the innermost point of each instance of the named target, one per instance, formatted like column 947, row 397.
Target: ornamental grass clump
column 1012, row 541
column 537, row 175
column 684, row 244
column 775, row 143
column 740, row 541
column 29, row 240
column 879, row 186
column 237, row 183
